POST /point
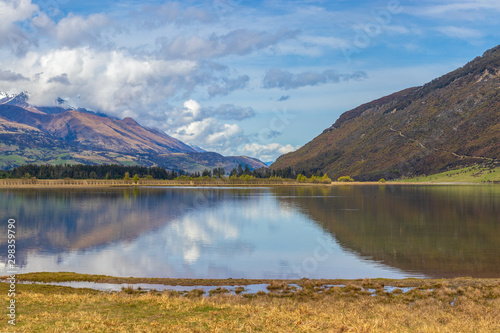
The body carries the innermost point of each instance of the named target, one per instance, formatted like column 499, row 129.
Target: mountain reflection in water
column 281, row 232
column 438, row 231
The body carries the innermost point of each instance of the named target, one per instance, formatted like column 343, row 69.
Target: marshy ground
column 377, row 305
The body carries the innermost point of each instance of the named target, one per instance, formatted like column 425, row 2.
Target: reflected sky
column 201, row 233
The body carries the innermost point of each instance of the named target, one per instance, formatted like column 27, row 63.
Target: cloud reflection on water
column 249, row 233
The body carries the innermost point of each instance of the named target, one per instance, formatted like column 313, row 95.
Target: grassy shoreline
column 444, row 305
column 92, row 184
column 46, row 277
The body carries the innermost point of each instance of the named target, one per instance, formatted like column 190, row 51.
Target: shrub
column 345, row 179
column 301, row 178
column 382, row 180
column 325, row 179
column 314, row 179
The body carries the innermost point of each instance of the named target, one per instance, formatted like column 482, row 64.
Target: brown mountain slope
column 10, row 127
column 96, row 132
column 113, row 135
column 31, row 135
column 451, row 121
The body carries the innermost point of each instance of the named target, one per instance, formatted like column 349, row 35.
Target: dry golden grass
column 430, row 307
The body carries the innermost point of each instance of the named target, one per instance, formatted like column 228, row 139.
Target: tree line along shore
column 119, row 175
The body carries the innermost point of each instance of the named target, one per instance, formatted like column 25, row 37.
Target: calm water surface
column 315, row 232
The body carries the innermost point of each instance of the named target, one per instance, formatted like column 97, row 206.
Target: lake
column 270, row 232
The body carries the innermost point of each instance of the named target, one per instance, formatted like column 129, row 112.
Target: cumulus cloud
column 276, row 78
column 10, row 76
column 12, row 36
column 268, row 152
column 210, row 134
column 283, row 98
column 112, row 82
column 208, row 127
column 75, row 30
column 15, row 11
column 192, row 111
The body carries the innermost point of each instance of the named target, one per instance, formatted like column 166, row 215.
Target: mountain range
column 450, row 122
column 61, row 134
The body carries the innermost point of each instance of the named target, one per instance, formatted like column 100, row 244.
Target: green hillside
column 451, row 122
column 473, row 174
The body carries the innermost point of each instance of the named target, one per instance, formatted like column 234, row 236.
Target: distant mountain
column 449, row 122
column 61, row 134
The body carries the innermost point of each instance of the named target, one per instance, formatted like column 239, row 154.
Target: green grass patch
column 61, row 159
column 12, row 158
column 127, row 162
column 473, row 174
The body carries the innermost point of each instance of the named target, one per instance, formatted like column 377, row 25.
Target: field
column 453, row 305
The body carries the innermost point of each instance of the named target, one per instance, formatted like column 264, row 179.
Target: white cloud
column 194, row 125
column 267, row 152
column 210, row 134
column 12, row 36
column 13, row 11
column 206, row 127
column 75, row 30
column 191, row 111
column 112, row 82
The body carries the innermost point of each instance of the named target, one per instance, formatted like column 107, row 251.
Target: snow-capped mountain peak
column 5, row 97
column 62, row 103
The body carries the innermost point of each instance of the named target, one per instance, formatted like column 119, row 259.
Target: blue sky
column 257, row 78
